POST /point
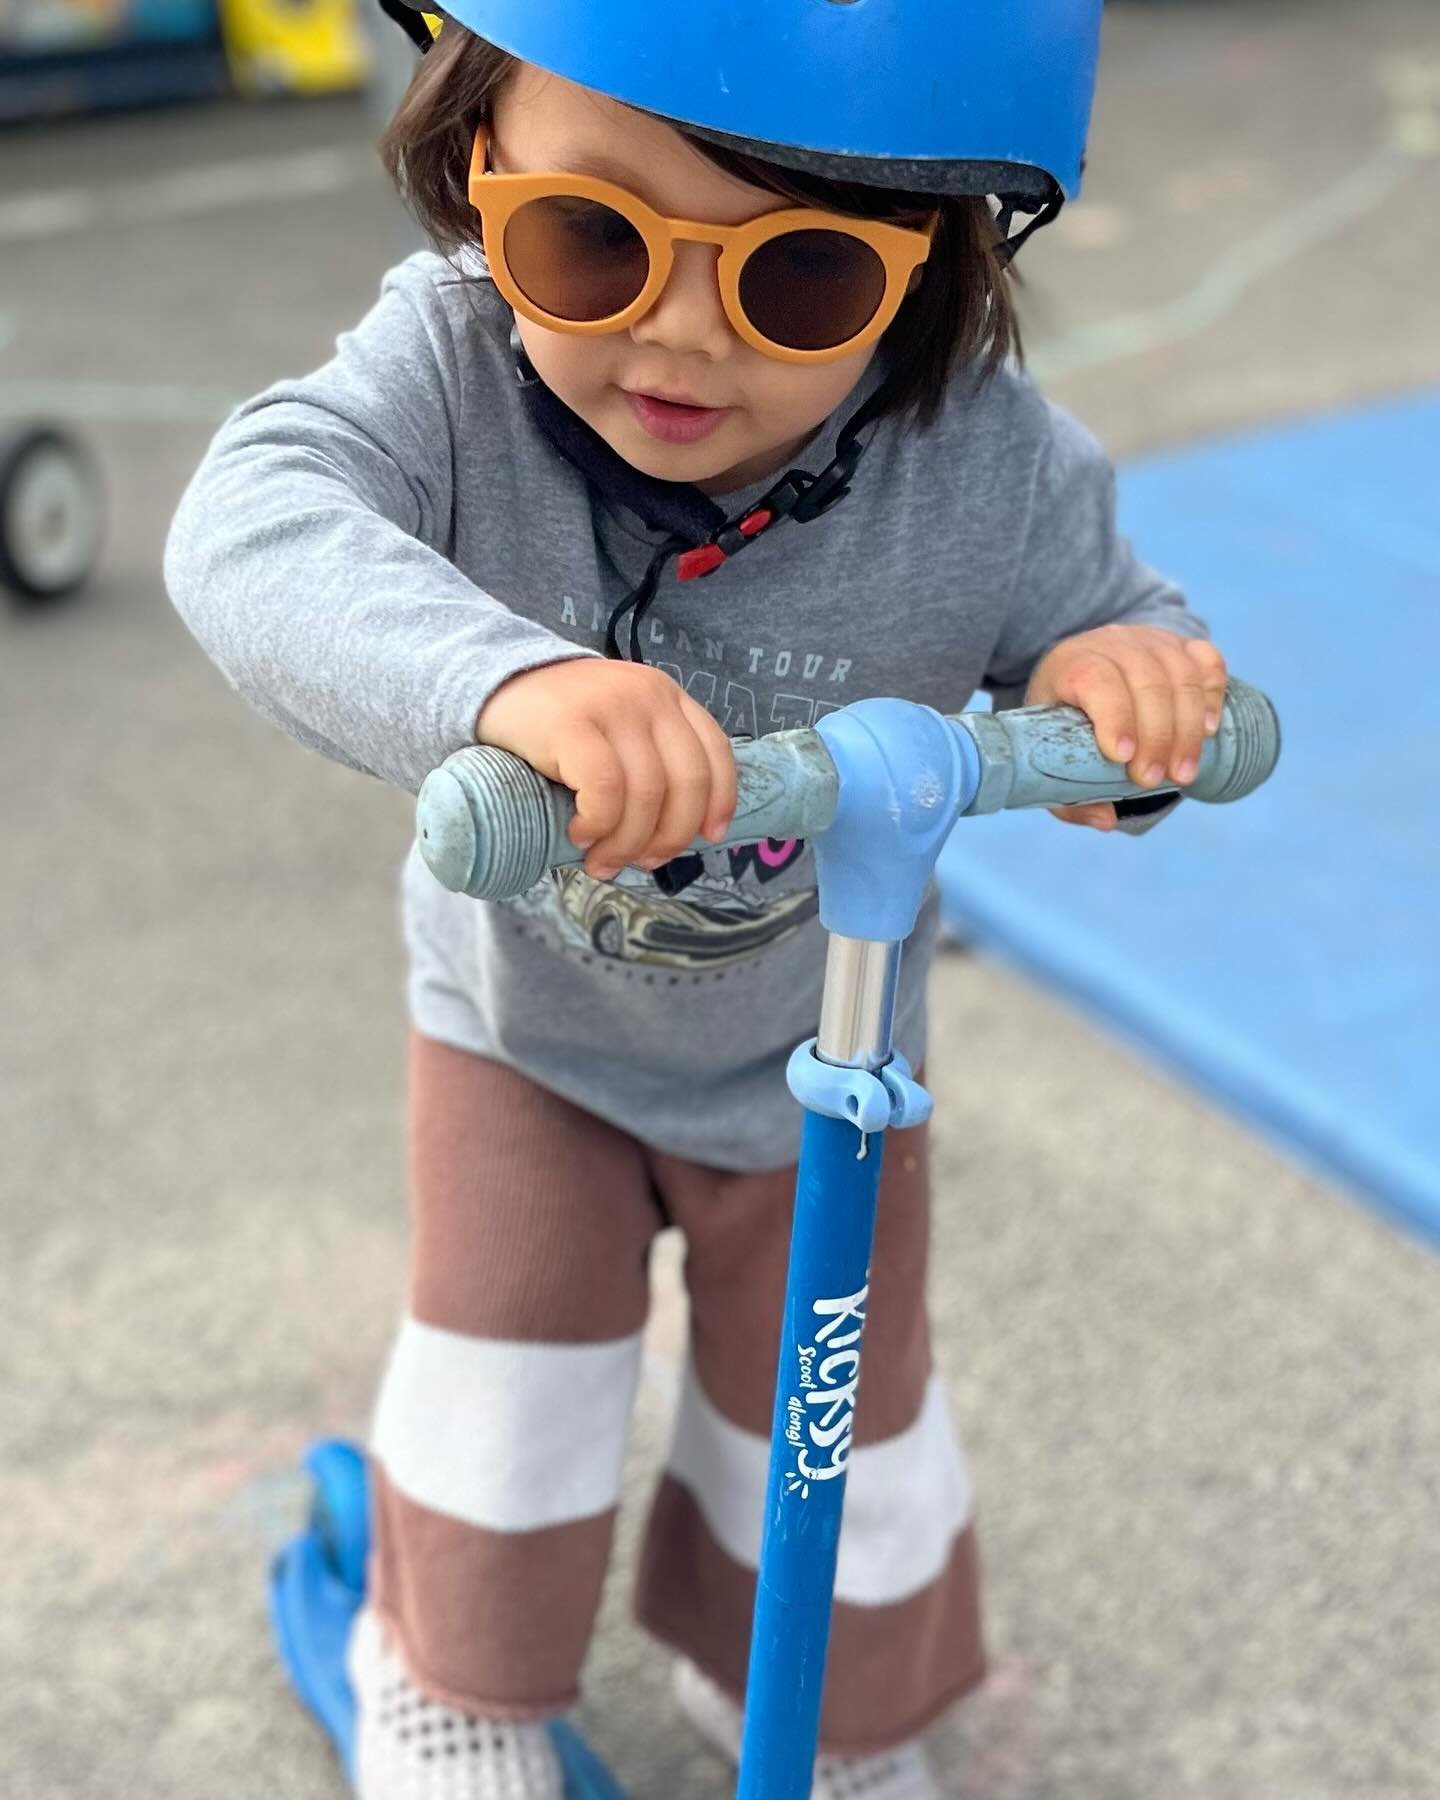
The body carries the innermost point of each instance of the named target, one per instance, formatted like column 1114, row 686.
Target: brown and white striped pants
column 499, row 1430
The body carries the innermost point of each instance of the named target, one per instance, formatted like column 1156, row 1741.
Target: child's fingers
column 687, row 790
column 1153, row 697
column 643, row 775
column 1188, row 700
column 721, row 754
column 1096, row 684
column 1214, row 678
column 588, row 765
column 1098, row 814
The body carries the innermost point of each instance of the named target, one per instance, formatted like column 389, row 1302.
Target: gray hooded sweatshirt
column 369, row 552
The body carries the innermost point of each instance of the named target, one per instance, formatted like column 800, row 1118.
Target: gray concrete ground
column 1200, row 1389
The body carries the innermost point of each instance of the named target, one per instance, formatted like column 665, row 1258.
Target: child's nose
column 689, row 317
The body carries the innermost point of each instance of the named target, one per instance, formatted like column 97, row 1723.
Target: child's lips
column 674, row 421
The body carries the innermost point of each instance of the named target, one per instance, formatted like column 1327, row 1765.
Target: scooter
column 877, row 788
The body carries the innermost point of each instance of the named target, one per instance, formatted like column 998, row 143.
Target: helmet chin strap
column 699, row 535
column 1010, row 204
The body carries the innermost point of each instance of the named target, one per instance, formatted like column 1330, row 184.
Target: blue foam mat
column 1283, row 952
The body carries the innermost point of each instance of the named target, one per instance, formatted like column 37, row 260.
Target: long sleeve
column 1076, row 572
column 309, row 555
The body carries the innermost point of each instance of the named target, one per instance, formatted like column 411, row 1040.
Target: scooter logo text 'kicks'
column 819, row 1426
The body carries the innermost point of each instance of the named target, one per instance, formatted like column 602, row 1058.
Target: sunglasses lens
column 575, row 258
column 812, row 290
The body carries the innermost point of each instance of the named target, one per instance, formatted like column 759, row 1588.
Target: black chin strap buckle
column 832, row 484
column 1008, row 246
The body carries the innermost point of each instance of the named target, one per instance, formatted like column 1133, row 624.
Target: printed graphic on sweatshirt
column 699, row 912
column 751, row 689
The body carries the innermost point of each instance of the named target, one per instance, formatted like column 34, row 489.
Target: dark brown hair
column 961, row 314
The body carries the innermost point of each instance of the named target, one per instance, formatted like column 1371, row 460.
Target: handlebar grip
column 490, row 826
column 1047, row 756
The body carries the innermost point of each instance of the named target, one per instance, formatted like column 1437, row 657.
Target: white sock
column 412, row 1748
column 900, row 1774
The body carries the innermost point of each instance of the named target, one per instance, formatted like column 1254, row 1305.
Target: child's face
column 683, row 348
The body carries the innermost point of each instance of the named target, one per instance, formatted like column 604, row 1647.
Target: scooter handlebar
column 490, row 826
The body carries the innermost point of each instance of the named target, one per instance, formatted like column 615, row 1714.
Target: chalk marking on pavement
column 247, row 181
column 1232, row 274
column 1413, row 84
column 129, row 403
column 1411, row 135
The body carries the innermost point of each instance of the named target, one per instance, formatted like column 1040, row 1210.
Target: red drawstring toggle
column 692, row 563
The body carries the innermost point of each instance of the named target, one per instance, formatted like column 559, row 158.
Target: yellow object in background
column 294, row 46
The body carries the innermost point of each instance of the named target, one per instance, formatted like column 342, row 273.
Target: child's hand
column 1152, row 696
column 650, row 769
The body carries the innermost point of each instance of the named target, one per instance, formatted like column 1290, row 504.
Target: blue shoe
column 317, row 1587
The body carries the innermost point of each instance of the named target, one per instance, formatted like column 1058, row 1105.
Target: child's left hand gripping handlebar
column 489, row 826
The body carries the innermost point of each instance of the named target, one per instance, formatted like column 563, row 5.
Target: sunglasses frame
column 901, row 250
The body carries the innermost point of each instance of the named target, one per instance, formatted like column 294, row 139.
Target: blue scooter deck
column 315, row 1595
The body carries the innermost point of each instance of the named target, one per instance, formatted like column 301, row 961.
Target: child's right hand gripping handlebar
column 490, row 826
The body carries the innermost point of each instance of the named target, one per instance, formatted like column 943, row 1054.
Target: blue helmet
column 937, row 96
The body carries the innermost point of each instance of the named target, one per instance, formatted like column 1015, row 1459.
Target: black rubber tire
column 75, row 521
column 608, row 936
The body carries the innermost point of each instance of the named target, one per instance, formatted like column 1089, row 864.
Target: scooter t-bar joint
column 905, row 774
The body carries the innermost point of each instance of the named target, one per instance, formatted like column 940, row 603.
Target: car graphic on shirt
column 716, row 923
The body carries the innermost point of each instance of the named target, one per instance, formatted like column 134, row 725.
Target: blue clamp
column 871, row 1102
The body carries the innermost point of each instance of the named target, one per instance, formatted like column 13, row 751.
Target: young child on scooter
column 673, row 332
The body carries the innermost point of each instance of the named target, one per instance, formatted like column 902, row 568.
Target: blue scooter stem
column 827, row 1291
column 490, row 826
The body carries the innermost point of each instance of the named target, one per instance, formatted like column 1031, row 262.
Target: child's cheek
column 796, row 397
column 577, row 369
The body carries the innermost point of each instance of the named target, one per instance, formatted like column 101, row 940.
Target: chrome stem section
column 857, row 1009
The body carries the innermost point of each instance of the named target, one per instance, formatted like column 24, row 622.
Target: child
column 436, row 539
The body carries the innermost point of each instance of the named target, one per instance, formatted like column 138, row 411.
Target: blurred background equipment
column 60, row 57
column 51, row 512
column 295, row 46
column 67, row 56
column 63, row 56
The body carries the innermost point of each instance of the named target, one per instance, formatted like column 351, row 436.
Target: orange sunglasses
column 582, row 255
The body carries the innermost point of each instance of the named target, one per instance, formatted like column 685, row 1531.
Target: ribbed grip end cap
column 485, row 823
column 1257, row 740
column 445, row 830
